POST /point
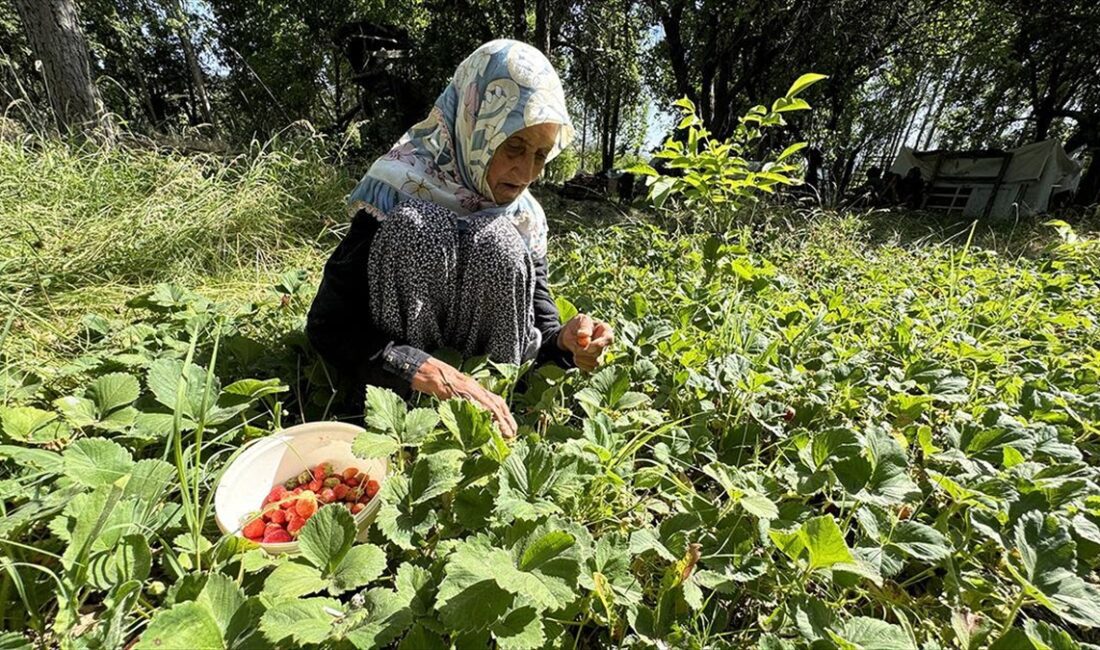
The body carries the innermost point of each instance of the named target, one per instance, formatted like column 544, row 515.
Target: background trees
column 927, row 73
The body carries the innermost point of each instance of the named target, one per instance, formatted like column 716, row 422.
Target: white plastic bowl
column 276, row 458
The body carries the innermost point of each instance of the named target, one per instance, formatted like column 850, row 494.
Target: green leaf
column 14, row 641
column 327, row 537
column 566, row 309
column 222, row 597
column 811, row 616
column 804, row 82
column 642, row 169
column 129, row 559
column 96, row 461
column 469, row 600
column 548, row 585
column 544, row 549
column 399, row 520
column 415, row 586
column 435, row 474
column 361, row 565
column 824, row 542
column 385, row 411
column 889, row 483
column 920, row 541
column 1045, row 636
column 185, row 625
column 646, row 539
column 759, row 505
column 255, row 388
column 521, row 629
column 293, row 580
column 788, row 104
column 384, row 616
column 374, row 445
column 791, row 150
column 1047, row 571
column 148, row 480
column 28, row 424
column 863, row 633
column 113, row 391
column 467, row 422
column 31, row 458
column 419, row 423
column 527, row 478
column 307, row 620
column 421, row 638
column 78, row 411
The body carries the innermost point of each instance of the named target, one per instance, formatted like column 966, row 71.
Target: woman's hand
column 586, row 339
column 444, row 381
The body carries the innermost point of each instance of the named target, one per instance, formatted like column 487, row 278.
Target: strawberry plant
column 810, row 440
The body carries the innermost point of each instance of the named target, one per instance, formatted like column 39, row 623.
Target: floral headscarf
column 504, row 86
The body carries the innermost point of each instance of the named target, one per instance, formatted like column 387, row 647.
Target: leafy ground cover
column 832, row 432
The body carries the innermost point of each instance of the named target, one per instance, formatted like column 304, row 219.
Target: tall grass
column 80, row 215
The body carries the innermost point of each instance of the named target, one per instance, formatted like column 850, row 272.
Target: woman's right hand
column 444, row 381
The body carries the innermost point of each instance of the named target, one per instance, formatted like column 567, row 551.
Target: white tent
column 993, row 183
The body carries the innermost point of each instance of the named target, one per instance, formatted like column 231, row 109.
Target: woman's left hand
column 586, row 338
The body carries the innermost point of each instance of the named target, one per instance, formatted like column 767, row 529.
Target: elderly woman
column 447, row 247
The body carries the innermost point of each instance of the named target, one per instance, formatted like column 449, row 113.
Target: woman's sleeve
column 340, row 327
column 547, row 319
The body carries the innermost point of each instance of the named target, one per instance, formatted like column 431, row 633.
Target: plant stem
column 1019, row 602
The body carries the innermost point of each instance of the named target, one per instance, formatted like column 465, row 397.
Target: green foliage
column 717, row 177
column 818, row 438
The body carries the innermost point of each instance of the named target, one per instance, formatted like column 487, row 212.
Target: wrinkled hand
column 586, row 339
column 444, row 381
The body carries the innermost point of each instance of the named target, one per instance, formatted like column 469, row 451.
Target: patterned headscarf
column 504, row 86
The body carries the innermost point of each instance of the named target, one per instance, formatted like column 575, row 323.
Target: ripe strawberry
column 295, row 523
column 372, row 488
column 254, row 529
column 276, row 493
column 306, row 506
column 276, row 535
column 327, row 496
column 349, row 473
column 352, row 482
column 356, row 508
column 318, row 473
column 341, row 491
column 278, row 517
column 331, row 482
column 315, row 485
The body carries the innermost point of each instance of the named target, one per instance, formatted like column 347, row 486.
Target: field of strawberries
column 812, row 441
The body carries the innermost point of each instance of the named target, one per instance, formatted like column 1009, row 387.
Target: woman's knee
column 420, row 227
column 500, row 247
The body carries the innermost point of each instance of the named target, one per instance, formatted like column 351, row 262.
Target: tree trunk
column 183, row 32
column 947, row 86
column 670, row 20
column 542, row 25
column 1088, row 191
column 57, row 40
column 519, row 20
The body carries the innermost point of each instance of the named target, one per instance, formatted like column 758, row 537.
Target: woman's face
column 519, row 160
